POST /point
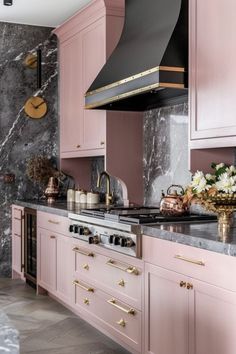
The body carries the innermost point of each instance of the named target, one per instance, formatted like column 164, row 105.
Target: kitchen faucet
column 109, row 196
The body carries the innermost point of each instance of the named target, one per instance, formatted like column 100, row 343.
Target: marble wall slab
column 165, row 150
column 22, row 137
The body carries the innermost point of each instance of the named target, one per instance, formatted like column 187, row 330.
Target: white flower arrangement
column 223, row 181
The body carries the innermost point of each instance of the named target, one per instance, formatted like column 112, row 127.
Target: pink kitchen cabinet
column 85, row 43
column 190, row 299
column 166, row 312
column 55, row 256
column 17, row 241
column 46, row 258
column 211, row 73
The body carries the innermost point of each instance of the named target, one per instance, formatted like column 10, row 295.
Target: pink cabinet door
column 212, row 76
column 17, row 240
column 46, row 258
column 71, row 95
column 212, row 319
column 64, row 268
column 93, row 59
column 166, row 312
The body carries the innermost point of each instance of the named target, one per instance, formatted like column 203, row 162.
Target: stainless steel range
column 119, row 229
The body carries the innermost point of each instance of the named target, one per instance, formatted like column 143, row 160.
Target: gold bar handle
column 53, row 222
column 129, row 269
column 84, row 287
column 130, row 311
column 189, row 260
column 79, row 250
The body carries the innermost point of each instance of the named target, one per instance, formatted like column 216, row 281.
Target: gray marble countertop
column 9, row 336
column 201, row 235
column 60, row 207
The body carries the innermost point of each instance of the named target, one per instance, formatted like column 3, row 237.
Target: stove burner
column 142, row 215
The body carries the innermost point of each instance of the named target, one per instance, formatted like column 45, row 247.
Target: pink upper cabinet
column 85, row 44
column 212, row 77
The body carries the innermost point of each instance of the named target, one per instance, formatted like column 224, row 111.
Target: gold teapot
column 52, row 190
column 173, row 204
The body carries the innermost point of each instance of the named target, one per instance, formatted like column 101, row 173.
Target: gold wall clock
column 35, row 107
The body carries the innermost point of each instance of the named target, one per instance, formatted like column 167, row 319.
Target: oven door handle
column 123, row 267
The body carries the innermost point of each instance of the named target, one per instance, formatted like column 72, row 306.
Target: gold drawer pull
column 79, row 250
column 52, row 236
column 54, row 222
column 121, row 323
column 182, row 284
column 193, row 261
column 84, row 287
column 86, row 301
column 121, row 282
column 189, row 286
column 129, row 269
column 128, row 311
column 17, row 235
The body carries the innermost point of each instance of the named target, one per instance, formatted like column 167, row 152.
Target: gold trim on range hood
column 93, row 98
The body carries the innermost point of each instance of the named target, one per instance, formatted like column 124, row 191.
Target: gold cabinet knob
column 52, row 236
column 121, row 282
column 182, row 284
column 86, row 301
column 102, row 142
column 78, row 146
column 86, row 266
column 189, row 286
column 121, row 323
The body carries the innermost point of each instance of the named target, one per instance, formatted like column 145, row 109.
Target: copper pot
column 172, row 204
column 52, row 190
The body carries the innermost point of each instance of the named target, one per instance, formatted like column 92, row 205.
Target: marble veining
column 9, row 336
column 21, row 137
column 165, row 156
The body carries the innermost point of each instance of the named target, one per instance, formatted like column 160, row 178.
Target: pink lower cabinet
column 212, row 319
column 17, row 241
column 190, row 299
column 46, row 257
column 119, row 319
column 108, row 292
column 166, row 312
column 55, row 264
column 121, row 276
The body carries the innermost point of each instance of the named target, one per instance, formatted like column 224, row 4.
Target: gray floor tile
column 47, row 327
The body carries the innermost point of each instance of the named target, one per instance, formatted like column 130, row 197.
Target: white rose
column 226, row 183
column 220, row 165
column 210, row 177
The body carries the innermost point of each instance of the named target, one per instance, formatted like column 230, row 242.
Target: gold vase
column 224, row 206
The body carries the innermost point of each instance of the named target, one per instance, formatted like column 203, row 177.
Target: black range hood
column 148, row 68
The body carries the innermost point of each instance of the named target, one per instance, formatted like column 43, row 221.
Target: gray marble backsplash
column 165, row 151
column 21, row 137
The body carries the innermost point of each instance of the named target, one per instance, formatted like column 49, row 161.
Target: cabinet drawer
column 116, row 277
column 17, row 214
column 52, row 222
column 214, row 268
column 121, row 320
